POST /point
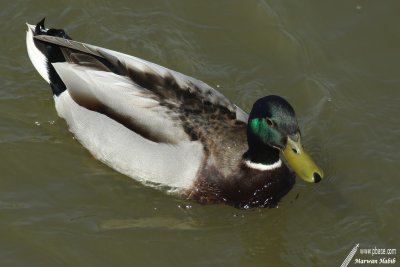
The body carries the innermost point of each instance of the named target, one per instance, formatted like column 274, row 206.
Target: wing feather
column 170, row 87
column 120, row 99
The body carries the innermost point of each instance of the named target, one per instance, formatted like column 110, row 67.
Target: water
column 337, row 63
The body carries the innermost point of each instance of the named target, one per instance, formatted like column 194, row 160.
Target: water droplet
column 185, row 207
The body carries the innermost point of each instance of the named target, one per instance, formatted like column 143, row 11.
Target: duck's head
column 273, row 129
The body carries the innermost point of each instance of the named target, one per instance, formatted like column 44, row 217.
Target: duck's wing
column 122, row 86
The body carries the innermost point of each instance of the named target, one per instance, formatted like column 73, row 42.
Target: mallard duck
column 164, row 128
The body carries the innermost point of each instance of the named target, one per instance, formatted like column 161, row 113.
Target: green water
column 337, row 62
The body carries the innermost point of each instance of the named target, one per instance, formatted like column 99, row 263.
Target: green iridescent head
column 272, row 122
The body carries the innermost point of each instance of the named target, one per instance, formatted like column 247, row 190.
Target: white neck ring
column 263, row 167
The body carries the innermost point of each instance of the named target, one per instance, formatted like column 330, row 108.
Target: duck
column 168, row 130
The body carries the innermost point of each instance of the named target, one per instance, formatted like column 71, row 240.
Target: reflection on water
column 149, row 222
column 337, row 63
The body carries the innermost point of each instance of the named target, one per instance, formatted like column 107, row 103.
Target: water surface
column 337, row 63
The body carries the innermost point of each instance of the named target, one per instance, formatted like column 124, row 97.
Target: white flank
column 129, row 153
column 263, row 167
column 37, row 57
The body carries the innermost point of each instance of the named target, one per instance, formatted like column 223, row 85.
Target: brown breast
column 246, row 188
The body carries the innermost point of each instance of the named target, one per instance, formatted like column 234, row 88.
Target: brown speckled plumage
column 244, row 188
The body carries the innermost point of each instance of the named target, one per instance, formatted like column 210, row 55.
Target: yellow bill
column 301, row 163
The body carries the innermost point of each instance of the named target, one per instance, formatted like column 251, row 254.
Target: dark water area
column 337, row 63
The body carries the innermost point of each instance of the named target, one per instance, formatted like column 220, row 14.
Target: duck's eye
column 270, row 122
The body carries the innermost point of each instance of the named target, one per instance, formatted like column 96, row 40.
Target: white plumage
column 128, row 152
